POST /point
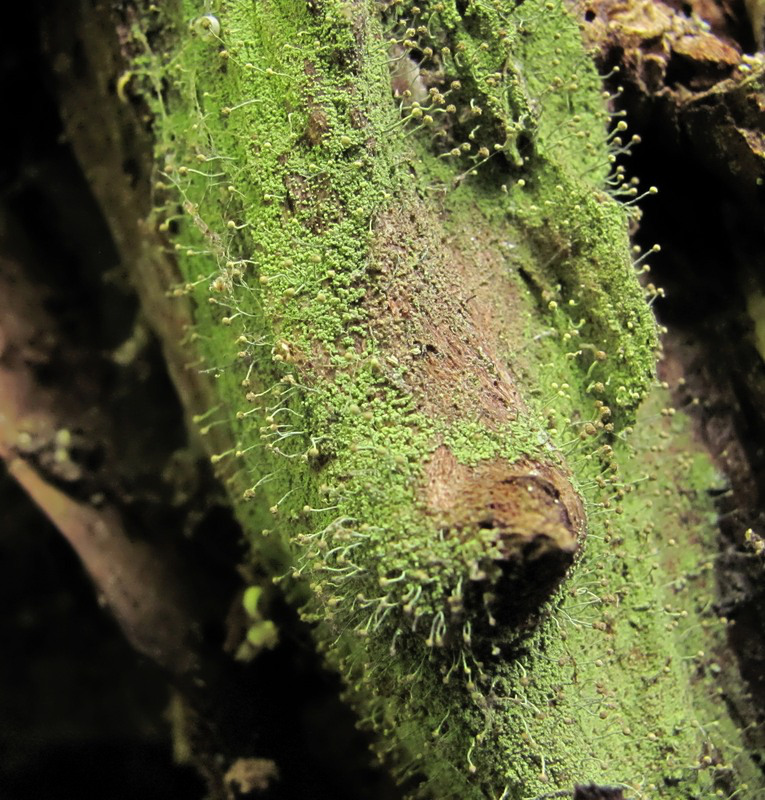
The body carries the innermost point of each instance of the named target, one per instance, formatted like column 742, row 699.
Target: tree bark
column 385, row 251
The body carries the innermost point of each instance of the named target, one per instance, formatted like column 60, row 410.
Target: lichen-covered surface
column 415, row 292
column 693, row 83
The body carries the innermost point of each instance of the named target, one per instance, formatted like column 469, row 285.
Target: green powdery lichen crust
column 281, row 154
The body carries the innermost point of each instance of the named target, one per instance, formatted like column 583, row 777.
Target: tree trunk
column 385, row 251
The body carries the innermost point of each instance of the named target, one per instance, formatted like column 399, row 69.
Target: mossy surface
column 333, row 231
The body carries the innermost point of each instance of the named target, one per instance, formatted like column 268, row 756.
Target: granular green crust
column 333, row 237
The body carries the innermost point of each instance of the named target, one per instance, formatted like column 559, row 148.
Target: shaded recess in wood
column 593, row 792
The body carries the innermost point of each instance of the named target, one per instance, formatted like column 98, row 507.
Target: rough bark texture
column 384, row 248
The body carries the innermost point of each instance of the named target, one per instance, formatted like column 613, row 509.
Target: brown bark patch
column 534, row 519
column 314, row 200
column 526, row 502
column 316, row 127
column 426, row 314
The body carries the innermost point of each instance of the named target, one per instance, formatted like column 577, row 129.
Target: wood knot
column 529, row 521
